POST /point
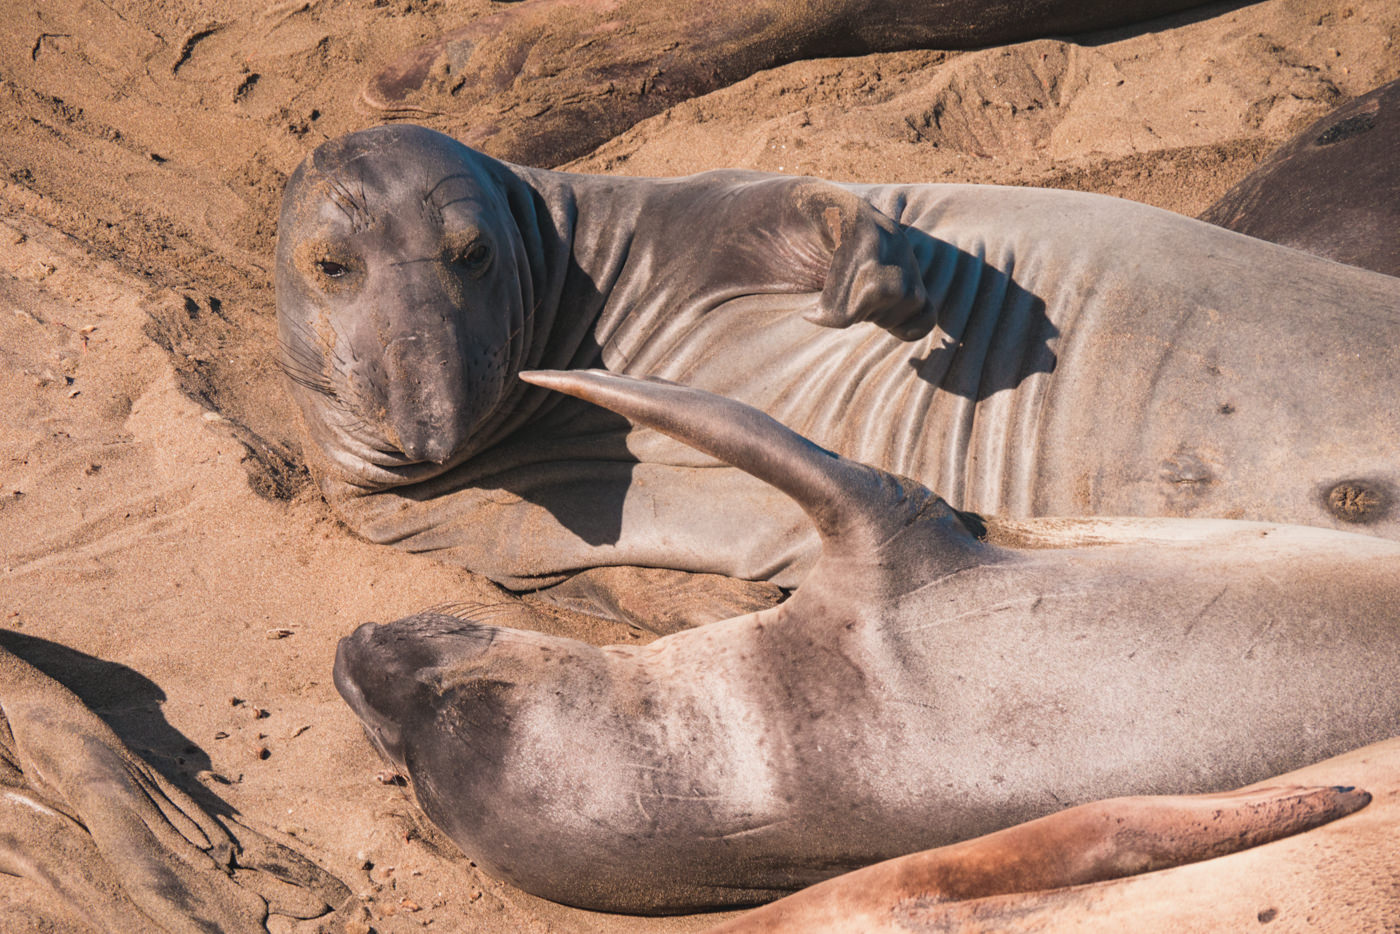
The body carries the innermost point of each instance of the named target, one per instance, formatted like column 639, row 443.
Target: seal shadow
column 996, row 332
column 603, row 462
column 129, row 703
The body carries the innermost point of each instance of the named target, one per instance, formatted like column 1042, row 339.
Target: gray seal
column 1023, row 352
column 937, row 676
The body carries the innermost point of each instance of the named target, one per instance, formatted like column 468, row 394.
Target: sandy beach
column 155, row 510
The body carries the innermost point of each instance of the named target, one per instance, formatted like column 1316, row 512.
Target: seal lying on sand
column 1333, row 190
column 82, row 815
column 1022, row 351
column 935, row 678
column 1338, row 878
column 550, row 80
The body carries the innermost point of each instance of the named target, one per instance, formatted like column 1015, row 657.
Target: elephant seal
column 1022, row 351
column 550, row 80
column 1333, row 190
column 1335, row 878
column 936, row 677
column 82, row 815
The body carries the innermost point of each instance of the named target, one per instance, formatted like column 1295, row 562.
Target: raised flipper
column 873, row 275
column 766, row 235
column 847, row 501
column 79, row 812
column 1091, row 843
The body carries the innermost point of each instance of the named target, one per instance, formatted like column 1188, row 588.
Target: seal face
column 400, row 302
column 980, row 672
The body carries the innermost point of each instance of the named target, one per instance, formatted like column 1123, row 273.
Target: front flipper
column 118, row 841
column 1091, row 843
column 724, row 235
column 873, row 275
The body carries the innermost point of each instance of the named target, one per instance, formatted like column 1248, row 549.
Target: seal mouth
column 428, row 448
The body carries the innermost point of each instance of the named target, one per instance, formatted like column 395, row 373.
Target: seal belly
column 1246, row 392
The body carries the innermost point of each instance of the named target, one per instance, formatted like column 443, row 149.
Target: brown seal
column 1333, row 190
column 81, row 814
column 1087, row 870
column 549, row 80
column 1006, row 879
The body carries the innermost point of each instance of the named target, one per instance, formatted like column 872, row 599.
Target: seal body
column 84, row 816
column 935, row 678
column 549, row 80
column 1023, row 352
column 1333, row 190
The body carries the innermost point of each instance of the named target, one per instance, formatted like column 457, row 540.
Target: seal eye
column 330, row 268
column 475, row 259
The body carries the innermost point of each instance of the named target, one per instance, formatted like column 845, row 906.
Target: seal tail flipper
column 840, row 496
column 1094, row 842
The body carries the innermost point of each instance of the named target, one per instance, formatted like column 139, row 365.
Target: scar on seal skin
column 1360, row 501
column 83, row 815
column 585, row 70
column 982, row 672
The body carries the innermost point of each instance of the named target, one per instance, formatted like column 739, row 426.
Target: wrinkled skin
column 81, row 814
column 1022, row 351
column 416, row 278
column 1332, row 190
column 980, row 672
column 548, row 80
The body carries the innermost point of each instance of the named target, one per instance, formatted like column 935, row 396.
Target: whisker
column 474, row 610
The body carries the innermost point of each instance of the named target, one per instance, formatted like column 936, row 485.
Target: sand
column 154, row 511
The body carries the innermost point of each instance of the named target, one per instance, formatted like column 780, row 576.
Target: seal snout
column 347, row 658
column 354, row 659
column 425, row 392
column 425, row 445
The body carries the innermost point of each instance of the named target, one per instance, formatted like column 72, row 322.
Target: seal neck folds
column 406, row 301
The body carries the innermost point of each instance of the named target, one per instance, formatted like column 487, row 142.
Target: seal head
column 402, row 288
